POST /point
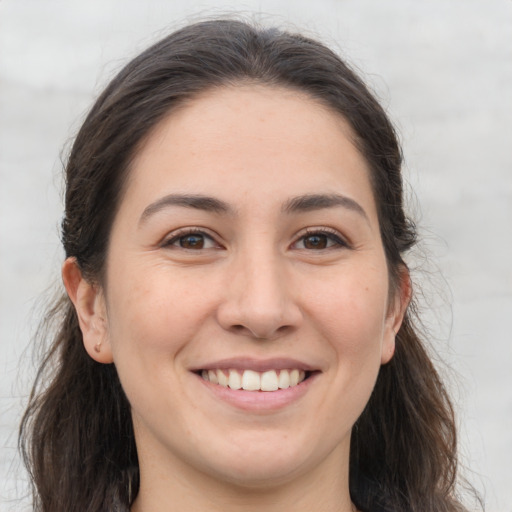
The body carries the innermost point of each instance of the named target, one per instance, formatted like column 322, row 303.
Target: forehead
column 250, row 140
column 271, row 114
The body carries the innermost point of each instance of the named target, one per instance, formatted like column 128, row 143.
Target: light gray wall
column 443, row 69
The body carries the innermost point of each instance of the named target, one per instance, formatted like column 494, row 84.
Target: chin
column 266, row 462
column 259, row 474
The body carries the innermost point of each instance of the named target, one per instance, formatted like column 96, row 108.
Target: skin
column 270, row 281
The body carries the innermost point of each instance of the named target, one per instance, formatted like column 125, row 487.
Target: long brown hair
column 76, row 435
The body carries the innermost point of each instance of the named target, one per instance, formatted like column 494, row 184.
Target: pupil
column 192, row 242
column 316, row 242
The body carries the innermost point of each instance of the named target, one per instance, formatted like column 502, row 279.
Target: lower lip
column 259, row 400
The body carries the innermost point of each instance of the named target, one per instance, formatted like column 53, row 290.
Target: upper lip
column 259, row 365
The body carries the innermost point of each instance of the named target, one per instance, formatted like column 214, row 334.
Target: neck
column 325, row 488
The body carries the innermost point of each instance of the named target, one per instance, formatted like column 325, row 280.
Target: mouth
column 253, row 380
column 260, row 386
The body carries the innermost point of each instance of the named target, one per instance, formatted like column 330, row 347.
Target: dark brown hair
column 76, row 435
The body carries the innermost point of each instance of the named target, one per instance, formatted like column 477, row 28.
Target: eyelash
column 333, row 237
column 199, row 232
column 331, row 234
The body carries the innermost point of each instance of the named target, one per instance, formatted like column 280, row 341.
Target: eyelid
column 175, row 235
column 333, row 234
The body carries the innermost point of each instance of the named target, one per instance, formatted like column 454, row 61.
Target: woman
column 237, row 330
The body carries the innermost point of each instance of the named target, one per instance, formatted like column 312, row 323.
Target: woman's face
column 246, row 252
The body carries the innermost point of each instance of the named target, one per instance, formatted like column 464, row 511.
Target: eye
column 318, row 240
column 191, row 240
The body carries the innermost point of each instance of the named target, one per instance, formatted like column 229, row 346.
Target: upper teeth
column 251, row 380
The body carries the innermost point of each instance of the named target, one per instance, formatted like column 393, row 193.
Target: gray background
column 443, row 69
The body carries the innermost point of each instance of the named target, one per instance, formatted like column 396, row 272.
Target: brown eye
column 191, row 240
column 317, row 241
column 320, row 240
column 195, row 241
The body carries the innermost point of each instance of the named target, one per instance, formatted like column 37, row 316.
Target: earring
column 97, row 347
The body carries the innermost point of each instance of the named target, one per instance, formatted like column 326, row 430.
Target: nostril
column 238, row 328
column 254, row 333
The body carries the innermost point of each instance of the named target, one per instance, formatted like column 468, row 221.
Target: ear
column 89, row 302
column 395, row 315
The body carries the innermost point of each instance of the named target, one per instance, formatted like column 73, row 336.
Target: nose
column 259, row 300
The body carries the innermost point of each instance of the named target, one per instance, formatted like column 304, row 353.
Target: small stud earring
column 97, row 347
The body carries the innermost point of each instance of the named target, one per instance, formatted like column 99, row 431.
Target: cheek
column 151, row 321
column 350, row 312
column 158, row 313
column 355, row 300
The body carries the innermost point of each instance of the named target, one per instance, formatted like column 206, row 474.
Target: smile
column 251, row 380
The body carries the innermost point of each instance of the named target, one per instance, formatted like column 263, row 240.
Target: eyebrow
column 194, row 201
column 310, row 202
column 299, row 204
